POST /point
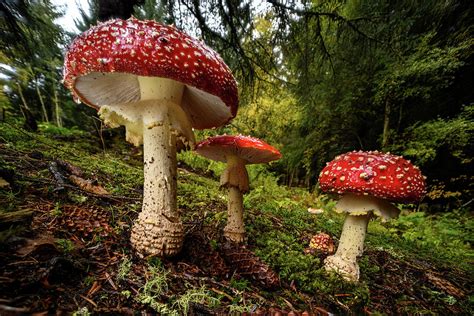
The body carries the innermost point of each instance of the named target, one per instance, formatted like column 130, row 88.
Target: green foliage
column 49, row 129
column 356, row 88
column 429, row 68
column 124, row 268
column 89, row 280
column 83, row 311
column 156, row 288
column 153, row 10
column 239, row 284
column 276, row 225
column 56, row 211
column 450, row 234
column 88, row 19
column 423, row 141
column 126, row 293
column 193, row 295
column 240, row 308
column 66, row 245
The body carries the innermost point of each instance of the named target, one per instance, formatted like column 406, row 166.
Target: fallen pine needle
column 88, row 300
column 222, row 293
column 94, row 288
column 109, row 279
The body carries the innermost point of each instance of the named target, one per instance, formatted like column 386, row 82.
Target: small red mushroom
column 367, row 181
column 322, row 243
column 159, row 83
column 237, row 151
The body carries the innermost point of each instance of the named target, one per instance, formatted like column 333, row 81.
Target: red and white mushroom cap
column 250, row 149
column 122, row 50
column 322, row 242
column 373, row 173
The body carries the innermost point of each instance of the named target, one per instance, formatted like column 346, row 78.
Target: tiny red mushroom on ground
column 368, row 182
column 321, row 243
column 159, row 83
column 237, row 151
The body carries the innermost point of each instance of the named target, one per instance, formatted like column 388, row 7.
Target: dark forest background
column 316, row 78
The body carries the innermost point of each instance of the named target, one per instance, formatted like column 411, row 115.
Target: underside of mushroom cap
column 363, row 204
column 158, row 101
column 111, row 55
column 374, row 173
column 134, row 122
column 252, row 150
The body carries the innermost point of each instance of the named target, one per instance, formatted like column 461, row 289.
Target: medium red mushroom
column 237, row 151
column 368, row 182
column 159, row 83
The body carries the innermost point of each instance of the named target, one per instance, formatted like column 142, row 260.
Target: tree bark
column 57, row 110
column 43, row 107
column 386, row 122
column 23, row 100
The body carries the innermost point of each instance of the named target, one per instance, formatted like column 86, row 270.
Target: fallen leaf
column 88, row 186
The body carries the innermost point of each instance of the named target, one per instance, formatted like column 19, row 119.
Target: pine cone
column 445, row 285
column 247, row 264
column 199, row 252
column 85, row 222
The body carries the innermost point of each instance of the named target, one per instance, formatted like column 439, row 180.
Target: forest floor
column 66, row 210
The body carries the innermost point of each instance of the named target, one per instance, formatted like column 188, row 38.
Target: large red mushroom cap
column 381, row 175
column 252, row 150
column 122, row 50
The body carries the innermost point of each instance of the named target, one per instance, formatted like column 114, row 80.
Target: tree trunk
column 23, row 100
column 43, row 107
column 386, row 123
column 57, row 111
column 30, row 121
column 400, row 117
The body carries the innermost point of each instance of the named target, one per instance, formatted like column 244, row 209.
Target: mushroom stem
column 235, row 174
column 351, row 245
column 236, row 178
column 234, row 229
column 158, row 229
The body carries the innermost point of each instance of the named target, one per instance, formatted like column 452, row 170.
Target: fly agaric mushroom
column 237, row 151
column 322, row 243
column 367, row 181
column 159, row 83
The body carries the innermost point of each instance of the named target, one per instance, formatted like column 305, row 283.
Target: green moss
column 278, row 223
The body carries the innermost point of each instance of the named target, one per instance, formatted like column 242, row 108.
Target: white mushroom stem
column 235, row 174
column 351, row 244
column 234, row 229
column 158, row 229
column 235, row 178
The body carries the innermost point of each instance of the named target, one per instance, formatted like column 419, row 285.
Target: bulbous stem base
column 158, row 229
column 351, row 246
